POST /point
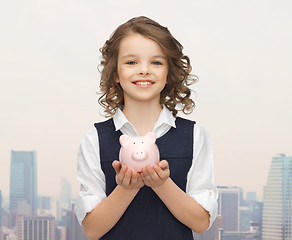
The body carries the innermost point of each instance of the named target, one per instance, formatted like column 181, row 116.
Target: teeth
column 143, row 83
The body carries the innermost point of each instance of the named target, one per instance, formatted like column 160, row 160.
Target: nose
column 144, row 69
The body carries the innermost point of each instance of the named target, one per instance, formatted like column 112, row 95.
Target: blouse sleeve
column 90, row 176
column 200, row 180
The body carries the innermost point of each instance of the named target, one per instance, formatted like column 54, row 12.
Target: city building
column 235, row 235
column 245, row 218
column 228, row 207
column 44, row 202
column 61, row 233
column 257, row 217
column 5, row 218
column 66, row 194
column 277, row 204
column 23, row 180
column 24, row 209
column 74, row 230
column 35, row 228
column 251, row 196
column 1, row 211
column 44, row 206
column 237, row 218
column 257, row 213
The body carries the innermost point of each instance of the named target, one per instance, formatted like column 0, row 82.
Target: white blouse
column 200, row 180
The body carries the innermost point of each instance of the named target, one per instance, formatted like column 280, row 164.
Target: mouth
column 143, row 83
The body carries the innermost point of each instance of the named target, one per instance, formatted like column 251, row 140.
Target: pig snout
column 139, row 155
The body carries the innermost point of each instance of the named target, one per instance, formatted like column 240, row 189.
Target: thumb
column 163, row 164
column 117, row 166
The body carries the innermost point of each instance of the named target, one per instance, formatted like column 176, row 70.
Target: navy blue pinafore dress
column 147, row 218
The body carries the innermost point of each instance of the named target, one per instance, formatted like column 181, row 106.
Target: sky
column 240, row 50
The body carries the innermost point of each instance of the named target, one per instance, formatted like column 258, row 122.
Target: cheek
column 124, row 73
column 164, row 74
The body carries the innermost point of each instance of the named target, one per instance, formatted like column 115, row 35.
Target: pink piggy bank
column 138, row 152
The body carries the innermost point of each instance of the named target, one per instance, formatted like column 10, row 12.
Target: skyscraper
column 0, row 208
column 228, row 207
column 66, row 194
column 23, row 180
column 44, row 202
column 277, row 209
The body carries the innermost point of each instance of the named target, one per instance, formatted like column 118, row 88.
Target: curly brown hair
column 175, row 93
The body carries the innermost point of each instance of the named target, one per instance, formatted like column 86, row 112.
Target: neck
column 142, row 115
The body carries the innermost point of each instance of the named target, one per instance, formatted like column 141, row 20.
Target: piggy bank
column 138, row 152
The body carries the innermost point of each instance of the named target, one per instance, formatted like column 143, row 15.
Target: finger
column 142, row 176
column 163, row 164
column 134, row 179
column 145, row 176
column 161, row 173
column 139, row 178
column 128, row 176
column 158, row 169
column 121, row 174
column 117, row 166
column 150, row 175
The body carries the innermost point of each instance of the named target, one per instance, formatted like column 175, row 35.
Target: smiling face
column 142, row 69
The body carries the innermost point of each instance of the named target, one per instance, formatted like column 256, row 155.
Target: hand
column 127, row 178
column 156, row 175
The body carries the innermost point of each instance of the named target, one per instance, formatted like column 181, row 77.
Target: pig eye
column 134, row 143
column 142, row 142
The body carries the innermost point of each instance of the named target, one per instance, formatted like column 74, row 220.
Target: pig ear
column 151, row 137
column 124, row 139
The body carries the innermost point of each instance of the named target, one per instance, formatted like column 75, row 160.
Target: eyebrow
column 133, row 55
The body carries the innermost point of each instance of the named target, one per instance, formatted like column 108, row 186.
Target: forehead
column 138, row 45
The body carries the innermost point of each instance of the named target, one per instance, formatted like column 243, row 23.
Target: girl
column 144, row 80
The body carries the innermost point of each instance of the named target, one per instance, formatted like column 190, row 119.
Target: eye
column 142, row 142
column 131, row 63
column 134, row 143
column 156, row 63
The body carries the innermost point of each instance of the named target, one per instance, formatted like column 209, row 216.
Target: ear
column 151, row 137
column 124, row 139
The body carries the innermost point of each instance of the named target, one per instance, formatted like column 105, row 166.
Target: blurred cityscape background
column 241, row 52
column 25, row 215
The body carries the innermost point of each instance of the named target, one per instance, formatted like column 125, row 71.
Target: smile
column 143, row 82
